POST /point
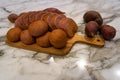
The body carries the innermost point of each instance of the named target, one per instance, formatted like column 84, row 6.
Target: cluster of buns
column 49, row 27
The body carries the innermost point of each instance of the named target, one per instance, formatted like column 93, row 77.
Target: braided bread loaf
column 54, row 18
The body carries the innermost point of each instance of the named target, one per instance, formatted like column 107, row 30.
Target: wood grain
column 97, row 41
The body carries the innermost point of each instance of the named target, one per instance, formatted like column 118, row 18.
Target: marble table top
column 84, row 62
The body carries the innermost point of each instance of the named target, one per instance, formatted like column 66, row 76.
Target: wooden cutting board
column 97, row 41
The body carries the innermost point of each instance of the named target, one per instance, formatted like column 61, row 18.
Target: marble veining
column 84, row 62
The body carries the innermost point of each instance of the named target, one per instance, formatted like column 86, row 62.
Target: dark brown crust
column 69, row 26
column 58, row 19
column 72, row 24
column 19, row 21
column 54, row 10
column 25, row 21
column 36, row 16
column 61, row 24
column 46, row 17
column 21, row 14
column 40, row 15
column 43, row 15
column 36, row 12
column 12, row 17
column 51, row 21
column 31, row 17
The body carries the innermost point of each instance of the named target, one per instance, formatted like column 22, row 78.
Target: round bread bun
column 14, row 34
column 38, row 28
column 26, row 38
column 58, row 38
column 43, row 41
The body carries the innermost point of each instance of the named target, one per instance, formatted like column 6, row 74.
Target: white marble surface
column 84, row 62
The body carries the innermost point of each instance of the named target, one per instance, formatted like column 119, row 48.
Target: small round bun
column 26, row 38
column 58, row 38
column 38, row 28
column 14, row 34
column 43, row 41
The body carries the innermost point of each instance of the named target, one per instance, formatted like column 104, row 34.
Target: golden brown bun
column 58, row 38
column 38, row 28
column 14, row 34
column 43, row 41
column 26, row 38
